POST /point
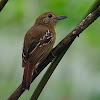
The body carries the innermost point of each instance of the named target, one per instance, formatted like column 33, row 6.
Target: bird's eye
column 49, row 15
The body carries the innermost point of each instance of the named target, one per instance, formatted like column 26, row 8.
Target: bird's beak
column 61, row 17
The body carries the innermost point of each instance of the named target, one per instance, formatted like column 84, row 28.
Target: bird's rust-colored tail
column 27, row 76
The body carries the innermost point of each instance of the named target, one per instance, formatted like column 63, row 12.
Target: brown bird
column 38, row 42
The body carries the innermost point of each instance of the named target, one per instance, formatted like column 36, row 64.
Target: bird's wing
column 36, row 48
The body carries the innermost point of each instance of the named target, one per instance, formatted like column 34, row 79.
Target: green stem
column 46, row 76
column 93, row 7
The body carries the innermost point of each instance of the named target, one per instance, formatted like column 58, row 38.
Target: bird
column 38, row 42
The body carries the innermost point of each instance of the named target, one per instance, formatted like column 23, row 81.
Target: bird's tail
column 27, row 76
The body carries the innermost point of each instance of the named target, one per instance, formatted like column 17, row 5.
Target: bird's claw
column 53, row 54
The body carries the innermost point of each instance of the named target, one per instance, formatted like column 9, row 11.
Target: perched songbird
column 38, row 42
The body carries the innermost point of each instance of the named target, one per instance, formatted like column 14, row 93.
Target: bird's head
column 49, row 19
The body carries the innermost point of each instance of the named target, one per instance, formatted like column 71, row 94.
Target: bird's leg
column 35, row 69
column 52, row 54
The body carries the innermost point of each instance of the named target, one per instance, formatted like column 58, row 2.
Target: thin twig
column 65, row 43
column 2, row 4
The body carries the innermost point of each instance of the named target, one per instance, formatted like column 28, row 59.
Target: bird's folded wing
column 38, row 48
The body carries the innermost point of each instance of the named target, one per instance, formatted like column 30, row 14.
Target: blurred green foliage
column 78, row 74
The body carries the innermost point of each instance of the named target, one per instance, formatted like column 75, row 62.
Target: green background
column 77, row 76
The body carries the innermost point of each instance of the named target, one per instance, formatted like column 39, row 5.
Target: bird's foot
column 53, row 54
column 35, row 71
